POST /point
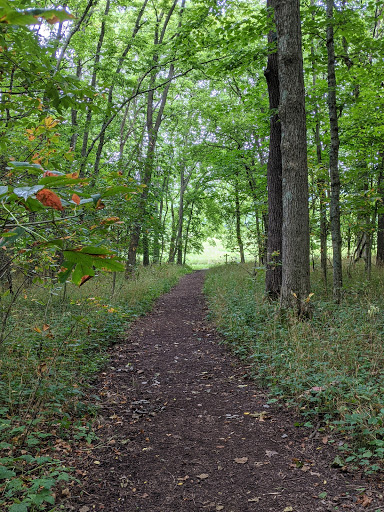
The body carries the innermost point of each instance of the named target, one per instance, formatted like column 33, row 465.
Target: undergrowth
column 331, row 367
column 56, row 338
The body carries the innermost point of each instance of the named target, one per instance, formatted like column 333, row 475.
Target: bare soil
column 182, row 429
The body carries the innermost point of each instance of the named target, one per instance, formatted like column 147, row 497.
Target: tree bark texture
column 238, row 223
column 295, row 286
column 334, row 160
column 274, row 178
column 380, row 217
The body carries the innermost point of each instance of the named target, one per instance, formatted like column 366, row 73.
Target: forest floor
column 182, row 429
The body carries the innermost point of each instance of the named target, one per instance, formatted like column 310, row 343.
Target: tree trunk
column 171, row 257
column 275, row 200
column 334, row 159
column 238, row 223
column 380, row 218
column 295, row 286
column 179, row 238
column 187, row 232
column 145, row 249
column 94, row 78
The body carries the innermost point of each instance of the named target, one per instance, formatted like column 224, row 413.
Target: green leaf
column 24, row 165
column 109, row 264
column 11, row 236
column 63, row 276
column 6, row 473
column 111, row 191
column 19, row 507
column 26, row 192
column 59, row 181
column 95, row 250
column 80, row 271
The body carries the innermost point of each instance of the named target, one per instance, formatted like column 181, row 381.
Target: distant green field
column 213, row 254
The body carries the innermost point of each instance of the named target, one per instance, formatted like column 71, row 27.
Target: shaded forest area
column 133, row 131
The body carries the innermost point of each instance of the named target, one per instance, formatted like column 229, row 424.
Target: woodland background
column 137, row 130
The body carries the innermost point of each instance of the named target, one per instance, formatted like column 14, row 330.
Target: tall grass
column 56, row 338
column 331, row 367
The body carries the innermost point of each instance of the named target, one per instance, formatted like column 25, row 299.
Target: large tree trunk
column 295, row 286
column 380, row 218
column 275, row 199
column 334, row 159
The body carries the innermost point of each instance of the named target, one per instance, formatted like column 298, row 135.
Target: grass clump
column 54, row 341
column 331, row 367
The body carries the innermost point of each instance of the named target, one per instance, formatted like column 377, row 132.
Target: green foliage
column 330, row 368
column 58, row 338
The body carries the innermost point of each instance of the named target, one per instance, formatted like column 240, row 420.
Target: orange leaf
column 45, row 327
column 73, row 175
column 110, row 219
column 50, row 173
column 100, row 205
column 76, row 199
column 49, row 198
column 84, row 279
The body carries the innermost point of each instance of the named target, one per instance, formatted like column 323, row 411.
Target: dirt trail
column 182, row 430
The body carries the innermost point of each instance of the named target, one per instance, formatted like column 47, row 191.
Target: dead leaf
column 203, row 476
column 241, row 460
column 76, row 199
column 219, row 507
column 324, row 440
column 270, row 453
column 84, row 509
column 96, row 462
column 49, row 198
column 288, row 509
column 364, row 500
column 254, row 500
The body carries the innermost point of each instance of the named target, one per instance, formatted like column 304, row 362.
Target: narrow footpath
column 182, row 429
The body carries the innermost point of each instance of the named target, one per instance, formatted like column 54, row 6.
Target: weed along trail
column 182, row 429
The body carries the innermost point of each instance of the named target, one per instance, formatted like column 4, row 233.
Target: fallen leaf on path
column 241, row 460
column 203, row 476
column 270, row 453
column 288, row 509
column 219, row 507
column 324, row 440
column 254, row 500
column 96, row 462
column 364, row 500
column 183, row 478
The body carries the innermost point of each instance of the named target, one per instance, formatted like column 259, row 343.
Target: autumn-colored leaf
column 50, row 173
column 100, row 205
column 37, row 329
column 45, row 327
column 76, row 199
column 84, row 279
column 364, row 500
column 110, row 219
column 49, row 198
column 41, row 369
column 73, row 175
